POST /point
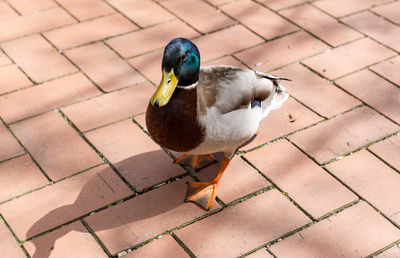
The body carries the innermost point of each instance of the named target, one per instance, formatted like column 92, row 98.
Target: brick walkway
column 79, row 176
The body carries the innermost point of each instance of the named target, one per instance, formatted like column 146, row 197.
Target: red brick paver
column 6, row 11
column 27, row 6
column 144, row 217
column 13, row 79
column 9, row 246
column 218, row 2
column 223, row 42
column 138, row 10
column 259, row 19
column 389, row 11
column 292, row 173
column 53, row 143
column 148, row 169
column 226, row 60
column 86, row 9
column 80, row 176
column 282, row 51
column 141, row 120
column 343, row 134
column 18, row 176
column 109, row 108
column 388, row 150
column 44, row 97
column 35, row 56
column 51, row 206
column 199, row 17
column 340, row 8
column 351, row 57
column 392, row 252
column 59, row 242
column 315, row 92
column 375, row 91
column 321, row 24
column 280, row 4
column 3, row 59
column 359, row 171
column 34, row 22
column 115, row 141
column 149, row 65
column 377, row 28
column 357, row 231
column 109, row 71
column 165, row 246
column 389, row 70
column 243, row 227
column 159, row 34
column 9, row 145
column 81, row 33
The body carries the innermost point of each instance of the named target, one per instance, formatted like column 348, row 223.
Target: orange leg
column 181, row 157
column 211, row 157
column 195, row 159
column 204, row 193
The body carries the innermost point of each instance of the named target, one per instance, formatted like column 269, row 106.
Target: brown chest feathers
column 175, row 125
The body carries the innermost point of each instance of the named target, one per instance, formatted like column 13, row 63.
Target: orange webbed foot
column 201, row 193
column 204, row 193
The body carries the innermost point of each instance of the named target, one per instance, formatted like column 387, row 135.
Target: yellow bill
column 165, row 89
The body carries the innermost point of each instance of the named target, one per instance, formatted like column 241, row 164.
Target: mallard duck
column 200, row 111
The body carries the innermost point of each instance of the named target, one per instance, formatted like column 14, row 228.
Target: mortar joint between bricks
column 179, row 18
column 128, row 63
column 67, row 11
column 395, row 243
column 182, row 244
column 19, row 68
column 365, row 146
column 384, row 161
column 76, row 66
column 96, row 150
column 80, row 217
column 366, row 104
column 131, row 248
column 347, row 186
column 96, row 238
column 26, row 151
column 384, row 78
column 299, row 229
column 20, row 243
column 285, row 194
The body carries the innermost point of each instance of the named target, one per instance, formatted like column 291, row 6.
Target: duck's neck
column 188, row 79
column 188, row 87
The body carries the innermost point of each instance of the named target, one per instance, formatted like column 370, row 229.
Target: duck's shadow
column 143, row 171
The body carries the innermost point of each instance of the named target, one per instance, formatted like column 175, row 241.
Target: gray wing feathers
column 230, row 88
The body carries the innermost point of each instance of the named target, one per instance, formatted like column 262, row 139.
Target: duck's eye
column 184, row 57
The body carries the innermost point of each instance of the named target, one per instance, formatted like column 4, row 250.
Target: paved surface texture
column 80, row 177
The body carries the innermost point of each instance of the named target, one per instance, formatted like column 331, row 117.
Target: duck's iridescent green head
column 183, row 56
column 180, row 66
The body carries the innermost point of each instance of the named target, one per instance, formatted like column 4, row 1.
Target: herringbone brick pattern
column 80, row 177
